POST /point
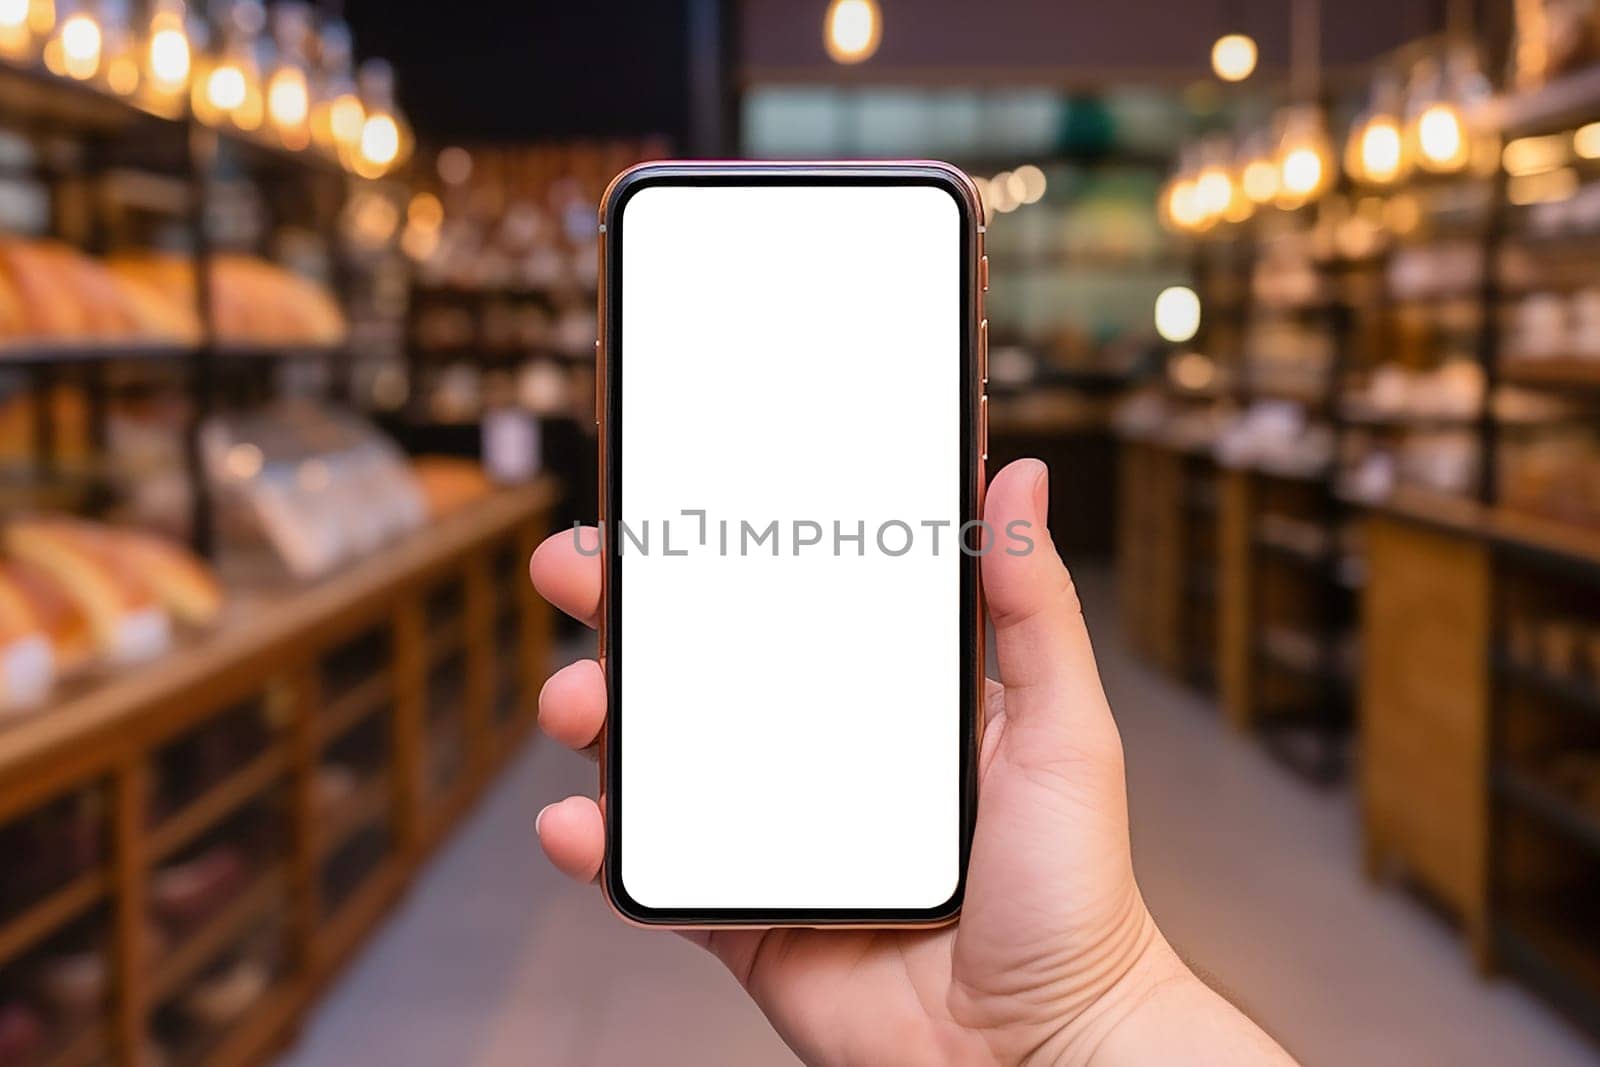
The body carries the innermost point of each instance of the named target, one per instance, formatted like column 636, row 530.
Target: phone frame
column 973, row 433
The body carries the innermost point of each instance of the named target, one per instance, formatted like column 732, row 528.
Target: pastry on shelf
column 156, row 315
column 186, row 892
column 27, row 660
column 252, row 301
column 127, row 619
column 185, row 586
column 31, row 593
column 223, row 997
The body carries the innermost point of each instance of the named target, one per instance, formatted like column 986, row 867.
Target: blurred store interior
column 297, row 314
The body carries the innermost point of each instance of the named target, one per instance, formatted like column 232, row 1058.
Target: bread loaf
column 27, row 662
column 127, row 620
column 30, row 594
column 184, row 585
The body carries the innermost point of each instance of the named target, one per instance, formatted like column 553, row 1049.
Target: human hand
column 1055, row 958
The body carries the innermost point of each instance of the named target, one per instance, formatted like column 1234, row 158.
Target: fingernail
column 539, row 818
column 1041, row 495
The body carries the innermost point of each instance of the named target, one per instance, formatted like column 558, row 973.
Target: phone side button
column 983, row 426
column 599, row 385
column 983, row 273
column 983, row 351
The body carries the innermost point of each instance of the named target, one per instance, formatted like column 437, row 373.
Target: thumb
column 1052, row 685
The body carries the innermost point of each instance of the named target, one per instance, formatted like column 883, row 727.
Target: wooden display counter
column 242, row 812
column 1167, row 557
column 1480, row 713
column 1285, row 660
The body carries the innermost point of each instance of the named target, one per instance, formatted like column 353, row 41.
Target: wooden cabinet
column 301, row 761
column 1424, row 712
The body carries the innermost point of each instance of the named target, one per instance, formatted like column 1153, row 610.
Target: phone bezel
column 609, row 417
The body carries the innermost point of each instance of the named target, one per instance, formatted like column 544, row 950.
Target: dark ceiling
column 504, row 70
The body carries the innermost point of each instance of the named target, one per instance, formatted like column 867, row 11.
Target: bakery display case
column 255, row 661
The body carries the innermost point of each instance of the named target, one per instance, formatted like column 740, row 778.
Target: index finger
column 566, row 571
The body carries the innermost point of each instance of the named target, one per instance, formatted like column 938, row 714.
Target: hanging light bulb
column 1305, row 159
column 852, row 30
column 1240, row 204
column 1233, row 57
column 75, row 46
column 1375, row 151
column 1258, row 177
column 1213, row 185
column 1441, row 99
column 229, row 88
column 288, row 87
column 168, row 58
column 16, row 35
column 337, row 116
column 1180, row 205
column 385, row 138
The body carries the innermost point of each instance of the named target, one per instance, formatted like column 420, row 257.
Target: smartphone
column 792, row 427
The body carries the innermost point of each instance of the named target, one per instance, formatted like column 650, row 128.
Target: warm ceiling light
column 426, row 211
column 226, row 88
column 1302, row 172
column 1214, row 190
column 13, row 14
column 1183, row 205
column 1441, row 138
column 1030, row 183
column 288, row 98
column 75, row 50
column 1177, row 314
column 1002, row 198
column 1260, row 180
column 380, row 140
column 169, row 58
column 1304, row 158
column 852, row 30
column 1233, row 57
column 1379, row 151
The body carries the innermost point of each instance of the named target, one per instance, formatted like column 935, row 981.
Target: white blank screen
column 790, row 724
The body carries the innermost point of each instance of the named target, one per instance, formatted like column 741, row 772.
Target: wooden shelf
column 44, row 918
column 221, row 801
column 218, row 933
column 264, row 622
column 1300, row 653
column 249, row 1038
column 444, row 646
column 1562, row 372
column 1534, row 797
column 1570, row 692
column 369, row 804
column 84, row 1048
column 51, row 353
column 275, row 647
column 355, row 706
column 1288, row 548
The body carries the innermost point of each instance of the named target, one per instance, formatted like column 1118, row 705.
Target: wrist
column 1149, row 972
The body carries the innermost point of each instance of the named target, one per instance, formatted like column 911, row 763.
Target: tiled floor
column 494, row 961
